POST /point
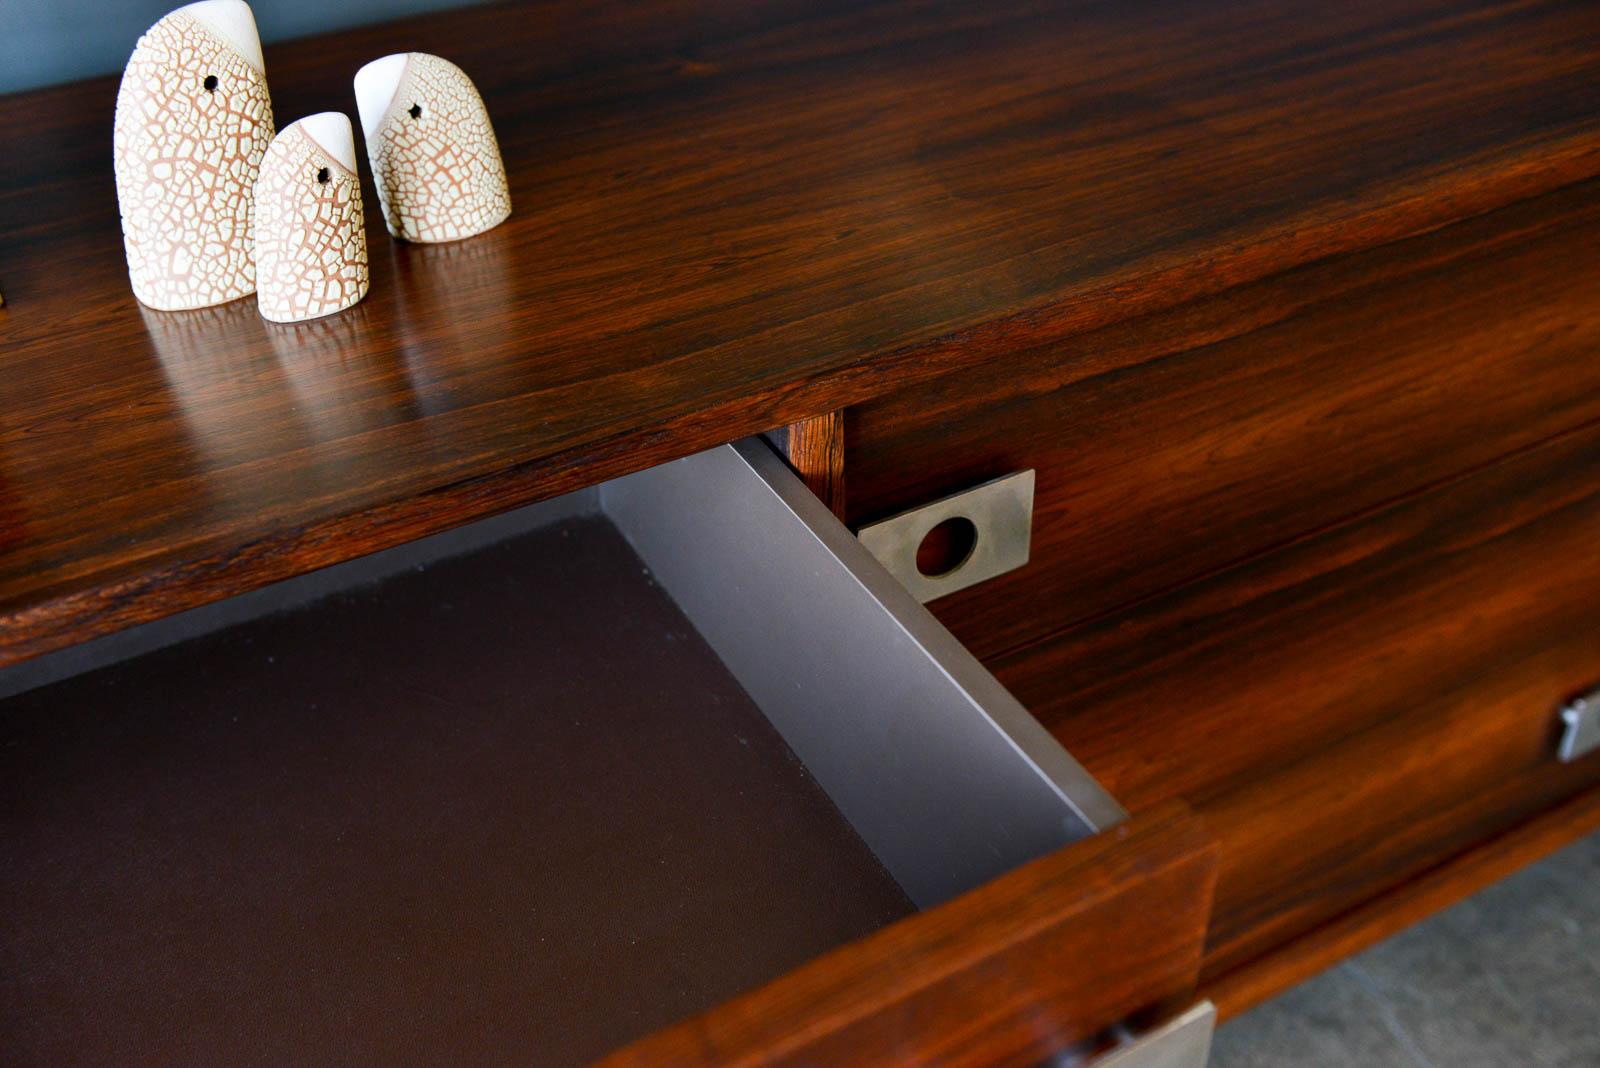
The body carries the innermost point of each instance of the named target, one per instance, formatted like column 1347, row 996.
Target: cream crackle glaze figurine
column 192, row 122
column 434, row 156
column 311, row 239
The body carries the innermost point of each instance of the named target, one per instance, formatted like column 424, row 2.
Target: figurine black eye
column 415, row 111
column 210, row 83
column 323, row 176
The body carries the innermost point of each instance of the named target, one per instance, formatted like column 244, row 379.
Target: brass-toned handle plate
column 1001, row 514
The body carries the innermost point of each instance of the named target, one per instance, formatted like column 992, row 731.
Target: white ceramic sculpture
column 311, row 239
column 434, row 156
column 193, row 120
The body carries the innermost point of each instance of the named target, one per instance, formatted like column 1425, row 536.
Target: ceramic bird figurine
column 311, row 238
column 193, row 119
column 434, row 156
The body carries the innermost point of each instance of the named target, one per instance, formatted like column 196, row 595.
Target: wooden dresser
column 1293, row 316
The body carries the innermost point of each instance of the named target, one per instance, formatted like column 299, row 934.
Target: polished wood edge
column 185, row 577
column 178, row 582
column 1036, row 961
column 814, row 448
column 1377, row 919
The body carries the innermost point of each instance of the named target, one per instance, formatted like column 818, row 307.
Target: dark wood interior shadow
column 506, row 809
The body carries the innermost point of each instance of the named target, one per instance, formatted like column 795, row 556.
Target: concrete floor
column 1509, row 978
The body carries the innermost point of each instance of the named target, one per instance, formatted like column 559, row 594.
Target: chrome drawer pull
column 1581, row 734
column 1182, row 1042
column 996, row 517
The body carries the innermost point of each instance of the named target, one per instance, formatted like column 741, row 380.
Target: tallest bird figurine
column 193, row 119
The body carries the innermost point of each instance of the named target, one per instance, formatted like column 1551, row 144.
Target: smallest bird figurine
column 434, row 156
column 311, row 239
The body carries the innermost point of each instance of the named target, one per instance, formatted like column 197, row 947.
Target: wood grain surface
column 1172, row 446
column 1032, row 964
column 1358, row 707
column 814, row 448
column 730, row 217
column 1376, row 919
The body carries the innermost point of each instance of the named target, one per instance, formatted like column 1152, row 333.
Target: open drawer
column 668, row 770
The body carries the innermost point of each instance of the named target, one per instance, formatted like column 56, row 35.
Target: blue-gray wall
column 49, row 41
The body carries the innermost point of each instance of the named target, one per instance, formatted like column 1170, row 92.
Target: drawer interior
column 524, row 791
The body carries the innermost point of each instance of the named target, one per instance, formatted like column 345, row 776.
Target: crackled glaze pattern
column 187, row 156
column 311, row 241
column 434, row 156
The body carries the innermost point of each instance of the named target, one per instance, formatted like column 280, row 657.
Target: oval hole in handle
column 947, row 546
